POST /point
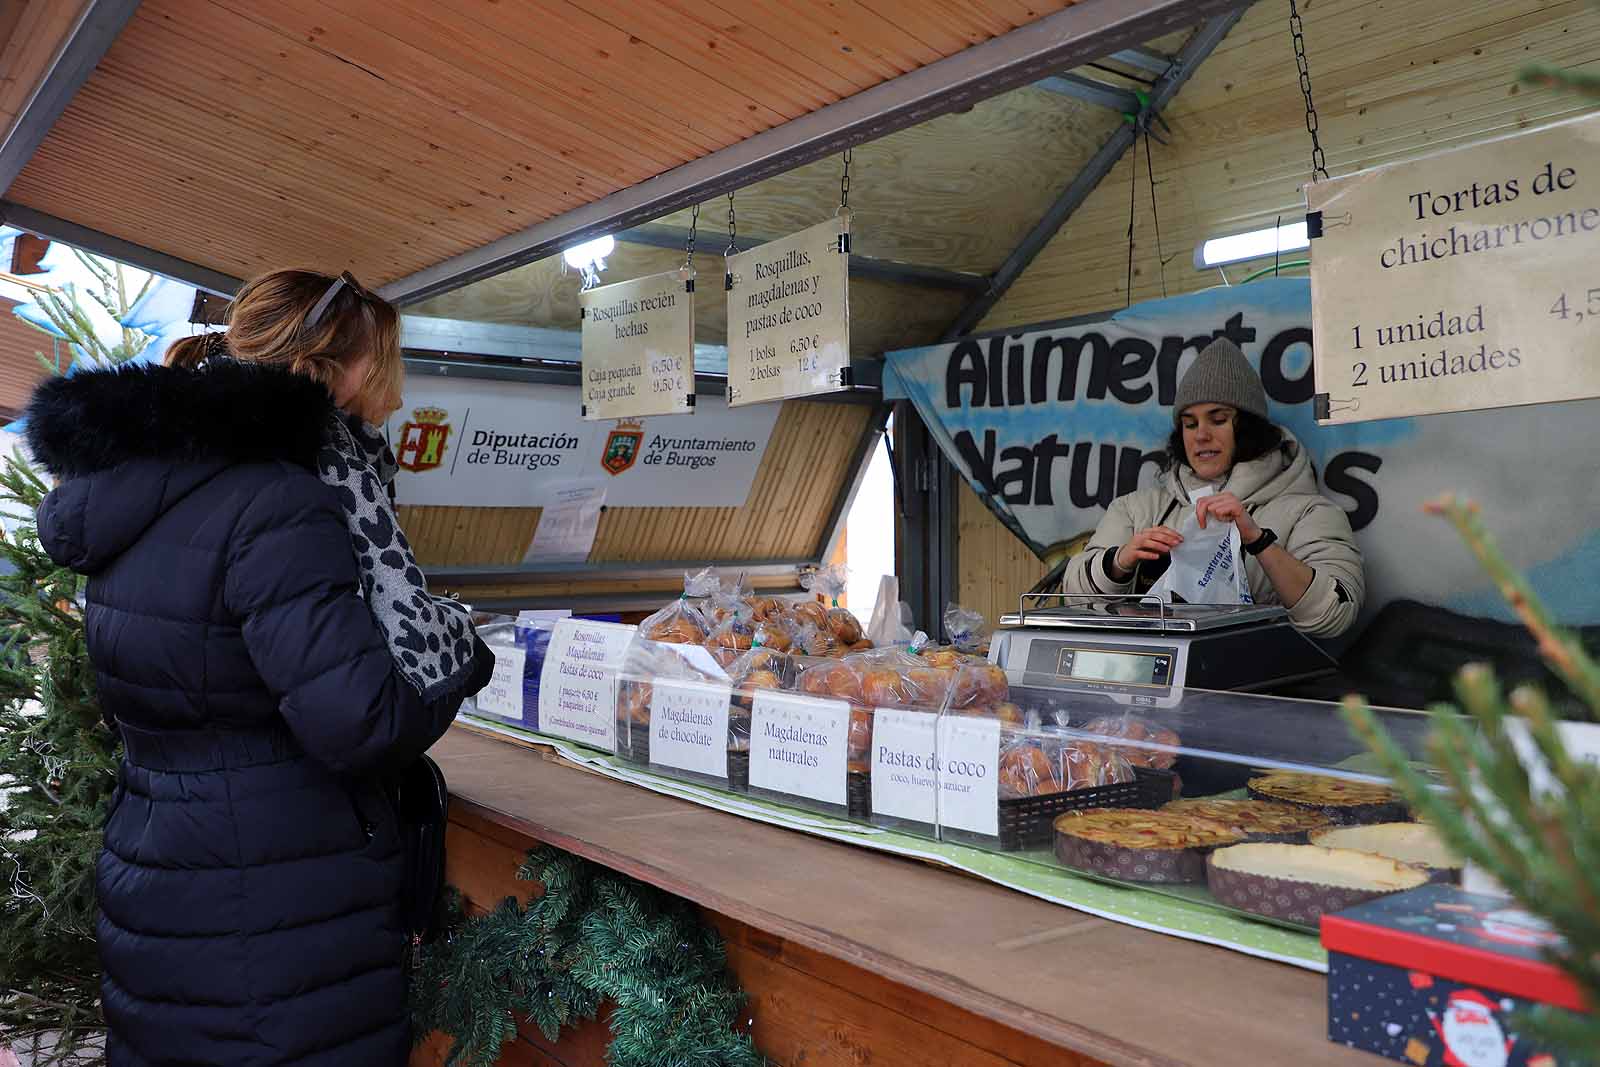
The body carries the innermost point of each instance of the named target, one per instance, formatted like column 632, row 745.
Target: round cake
column 1341, row 800
column 1258, row 820
column 1139, row 845
column 1415, row 843
column 1302, row 883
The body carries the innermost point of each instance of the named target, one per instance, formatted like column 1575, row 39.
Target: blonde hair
column 267, row 324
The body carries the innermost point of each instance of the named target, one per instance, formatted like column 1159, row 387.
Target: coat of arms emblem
column 622, row 446
column 423, row 440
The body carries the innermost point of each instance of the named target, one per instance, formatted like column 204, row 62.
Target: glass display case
column 1262, row 805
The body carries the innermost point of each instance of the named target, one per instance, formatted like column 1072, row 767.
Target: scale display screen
column 1116, row 667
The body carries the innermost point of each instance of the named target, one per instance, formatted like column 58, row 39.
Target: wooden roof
column 384, row 136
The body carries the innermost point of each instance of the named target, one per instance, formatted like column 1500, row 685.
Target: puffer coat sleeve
column 291, row 578
column 1321, row 538
column 1086, row 572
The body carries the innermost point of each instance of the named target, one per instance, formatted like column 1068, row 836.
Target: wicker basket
column 1029, row 822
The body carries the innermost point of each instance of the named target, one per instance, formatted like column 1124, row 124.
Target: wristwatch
column 1262, row 543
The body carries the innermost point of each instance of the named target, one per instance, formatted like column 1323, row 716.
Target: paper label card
column 689, row 726
column 502, row 697
column 578, row 686
column 789, row 316
column 929, row 770
column 797, row 745
column 1460, row 280
column 638, row 347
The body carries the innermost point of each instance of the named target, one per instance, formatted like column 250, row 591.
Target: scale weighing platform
column 1141, row 650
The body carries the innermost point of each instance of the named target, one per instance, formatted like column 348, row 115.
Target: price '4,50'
column 1561, row 311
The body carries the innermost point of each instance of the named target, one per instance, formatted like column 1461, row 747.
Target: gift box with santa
column 1435, row 976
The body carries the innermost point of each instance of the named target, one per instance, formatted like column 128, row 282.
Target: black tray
column 1029, row 822
column 637, row 750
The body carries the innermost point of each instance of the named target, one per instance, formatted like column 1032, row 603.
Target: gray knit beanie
column 1221, row 375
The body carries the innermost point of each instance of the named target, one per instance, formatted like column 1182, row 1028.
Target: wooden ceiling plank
column 335, row 147
column 1020, row 12
column 182, row 135
column 667, row 122
column 818, row 41
column 550, row 125
column 36, row 32
column 864, row 30
column 628, row 63
column 962, row 22
column 723, row 57
column 301, row 77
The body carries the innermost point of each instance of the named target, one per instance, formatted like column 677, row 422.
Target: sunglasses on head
column 320, row 308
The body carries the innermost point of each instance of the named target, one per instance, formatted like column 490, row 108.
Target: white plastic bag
column 1208, row 567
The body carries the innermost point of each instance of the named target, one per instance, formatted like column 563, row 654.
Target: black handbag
column 421, row 803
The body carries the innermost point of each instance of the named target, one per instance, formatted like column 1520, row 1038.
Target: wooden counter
column 856, row 957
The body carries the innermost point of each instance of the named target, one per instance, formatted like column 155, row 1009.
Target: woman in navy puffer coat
column 250, row 881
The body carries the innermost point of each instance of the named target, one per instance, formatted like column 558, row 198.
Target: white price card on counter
column 797, row 745
column 578, row 686
column 689, row 726
column 502, row 697
column 929, row 770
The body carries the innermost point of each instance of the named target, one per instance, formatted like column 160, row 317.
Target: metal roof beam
column 1195, row 50
column 1063, row 40
column 98, row 25
column 103, row 244
column 1143, row 58
column 1122, row 101
column 657, row 235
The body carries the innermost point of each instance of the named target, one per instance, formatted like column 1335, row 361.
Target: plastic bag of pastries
column 1154, row 746
column 683, row 622
column 967, row 630
column 891, row 678
column 1085, row 765
column 829, row 583
column 760, row 668
column 977, row 684
column 1035, row 765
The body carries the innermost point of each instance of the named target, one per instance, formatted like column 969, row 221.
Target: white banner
column 485, row 444
column 638, row 347
column 1462, row 280
column 578, row 686
column 789, row 315
column 797, row 745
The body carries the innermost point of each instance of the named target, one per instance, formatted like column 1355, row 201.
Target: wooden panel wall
column 785, row 516
column 1392, row 79
column 806, row 1009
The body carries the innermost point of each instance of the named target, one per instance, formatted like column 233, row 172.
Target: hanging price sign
column 638, row 347
column 1461, row 280
column 789, row 315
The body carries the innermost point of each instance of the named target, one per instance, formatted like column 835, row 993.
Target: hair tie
column 213, row 346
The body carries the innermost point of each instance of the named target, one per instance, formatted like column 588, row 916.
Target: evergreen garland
column 593, row 936
column 1543, row 847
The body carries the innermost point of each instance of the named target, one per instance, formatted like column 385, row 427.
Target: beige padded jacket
column 1280, row 491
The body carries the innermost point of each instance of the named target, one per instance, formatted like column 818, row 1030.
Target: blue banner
column 1050, row 424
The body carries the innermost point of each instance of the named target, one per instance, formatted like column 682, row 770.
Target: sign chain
column 733, row 228
column 694, row 226
column 1319, row 162
column 844, row 184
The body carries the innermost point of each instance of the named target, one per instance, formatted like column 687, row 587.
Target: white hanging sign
column 638, row 347
column 578, row 685
column 933, row 769
column 797, row 745
column 1461, row 280
column 789, row 315
column 689, row 726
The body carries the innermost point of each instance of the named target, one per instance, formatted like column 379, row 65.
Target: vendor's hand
column 1150, row 543
column 1227, row 508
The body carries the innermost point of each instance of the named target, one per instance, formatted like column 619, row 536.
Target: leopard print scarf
column 431, row 638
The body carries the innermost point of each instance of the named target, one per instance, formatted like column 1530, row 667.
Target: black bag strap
column 422, row 801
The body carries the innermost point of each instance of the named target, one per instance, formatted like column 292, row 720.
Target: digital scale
column 1139, row 650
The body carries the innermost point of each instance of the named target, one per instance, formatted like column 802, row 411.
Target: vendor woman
column 1298, row 548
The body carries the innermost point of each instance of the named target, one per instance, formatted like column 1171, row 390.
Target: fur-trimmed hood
column 227, row 411
column 131, row 444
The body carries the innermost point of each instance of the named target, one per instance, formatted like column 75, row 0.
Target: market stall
column 637, row 416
